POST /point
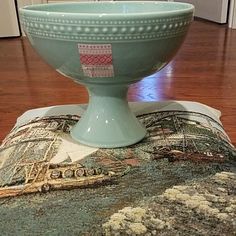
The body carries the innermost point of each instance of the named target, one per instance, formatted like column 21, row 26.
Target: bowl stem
column 108, row 121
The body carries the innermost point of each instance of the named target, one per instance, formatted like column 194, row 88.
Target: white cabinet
column 9, row 26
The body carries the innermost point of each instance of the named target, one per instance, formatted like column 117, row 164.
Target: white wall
column 213, row 10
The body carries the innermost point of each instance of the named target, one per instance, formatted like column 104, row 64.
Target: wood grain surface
column 204, row 70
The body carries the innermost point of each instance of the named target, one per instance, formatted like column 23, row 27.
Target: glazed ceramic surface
column 106, row 46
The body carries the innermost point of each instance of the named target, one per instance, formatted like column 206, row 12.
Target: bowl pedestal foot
column 108, row 121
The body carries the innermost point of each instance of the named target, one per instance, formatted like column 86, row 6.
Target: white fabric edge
column 139, row 108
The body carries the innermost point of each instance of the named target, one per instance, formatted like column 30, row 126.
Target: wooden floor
column 204, row 70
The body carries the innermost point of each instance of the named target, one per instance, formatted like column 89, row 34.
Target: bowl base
column 105, row 144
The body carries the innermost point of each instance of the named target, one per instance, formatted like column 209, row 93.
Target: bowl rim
column 32, row 9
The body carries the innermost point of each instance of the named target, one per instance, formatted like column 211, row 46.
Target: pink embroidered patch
column 96, row 60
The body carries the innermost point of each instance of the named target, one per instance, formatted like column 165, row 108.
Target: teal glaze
column 108, row 121
column 144, row 36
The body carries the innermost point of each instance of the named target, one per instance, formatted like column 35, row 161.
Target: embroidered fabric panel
column 96, row 60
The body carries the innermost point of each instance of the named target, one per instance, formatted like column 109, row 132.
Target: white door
column 213, row 10
column 232, row 14
column 9, row 26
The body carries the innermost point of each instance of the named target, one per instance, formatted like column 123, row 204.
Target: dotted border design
column 103, row 30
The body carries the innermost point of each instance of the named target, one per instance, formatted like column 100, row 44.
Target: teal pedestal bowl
column 106, row 46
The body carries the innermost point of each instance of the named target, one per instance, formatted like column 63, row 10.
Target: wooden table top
column 204, row 70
